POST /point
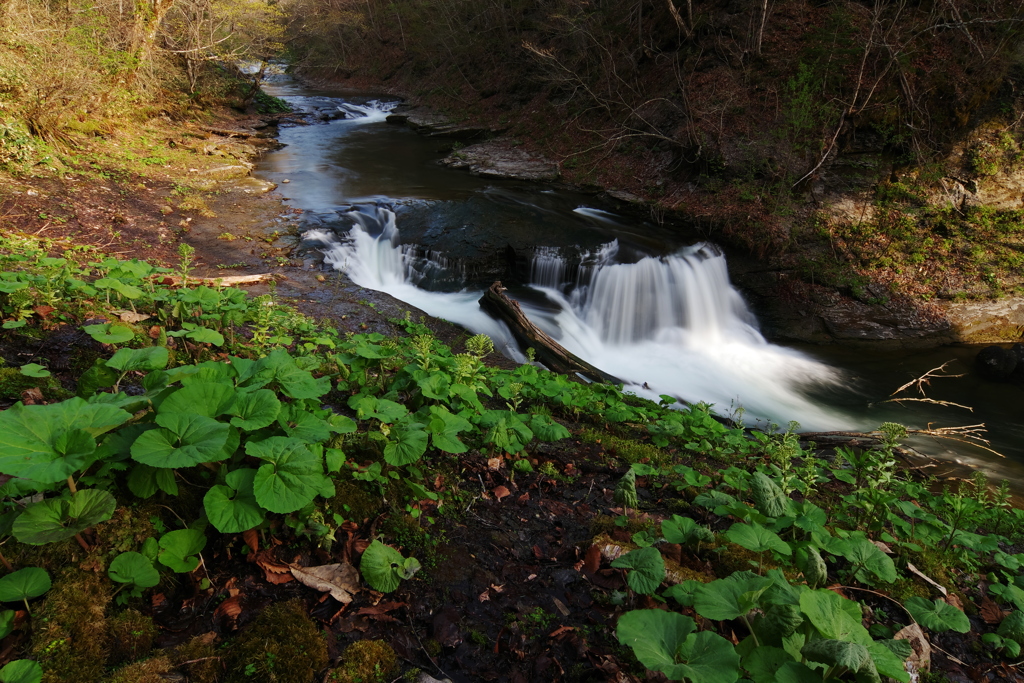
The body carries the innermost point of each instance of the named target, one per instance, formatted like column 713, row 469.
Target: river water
column 647, row 303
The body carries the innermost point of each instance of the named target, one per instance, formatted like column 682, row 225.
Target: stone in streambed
column 502, row 158
column 997, row 363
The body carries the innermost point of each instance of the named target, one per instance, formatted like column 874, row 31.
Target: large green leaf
column 379, row 408
column 21, row 671
column 49, row 443
column 122, row 288
column 546, row 429
column 866, row 555
column 834, row 616
column 383, row 567
column 887, row 662
column 180, row 549
column 406, row 444
column 654, row 635
column 1012, row 627
column 209, row 399
column 186, row 440
column 763, row 663
column 146, row 359
column 937, row 615
column 293, row 380
column 755, row 537
column 731, row 597
column 647, row 569
column 303, row 425
column 232, row 508
column 663, row 641
column 839, row 653
column 445, row 427
column 56, row 519
column 255, row 409
column 134, row 568
column 292, row 477
column 685, row 530
column 109, row 333
column 144, row 481
column 30, row 582
column 6, row 622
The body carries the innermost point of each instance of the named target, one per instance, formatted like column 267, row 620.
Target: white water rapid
column 672, row 325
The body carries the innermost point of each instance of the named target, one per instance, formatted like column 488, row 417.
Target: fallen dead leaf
column 501, row 492
column 131, row 316
column 990, row 611
column 954, row 600
column 380, row 611
column 921, row 658
column 229, row 609
column 252, row 539
column 32, row 396
column 560, row 630
column 561, row 607
column 592, row 560
column 485, row 596
column 494, row 463
column 340, row 580
column 43, row 311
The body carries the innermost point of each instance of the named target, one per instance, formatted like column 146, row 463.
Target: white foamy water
column 672, row 325
column 373, row 111
column 371, row 256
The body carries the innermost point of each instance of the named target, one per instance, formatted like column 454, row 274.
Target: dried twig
column 924, row 379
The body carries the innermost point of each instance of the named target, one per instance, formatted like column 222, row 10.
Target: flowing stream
column 642, row 302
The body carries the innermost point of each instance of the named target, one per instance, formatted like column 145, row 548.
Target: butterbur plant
column 384, row 568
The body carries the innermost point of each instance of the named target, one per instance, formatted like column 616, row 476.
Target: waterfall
column 371, row 112
column 372, row 257
column 670, row 325
column 632, row 302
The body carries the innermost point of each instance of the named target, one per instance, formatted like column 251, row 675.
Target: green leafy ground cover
column 195, row 414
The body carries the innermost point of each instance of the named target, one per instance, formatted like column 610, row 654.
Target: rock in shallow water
column 995, row 362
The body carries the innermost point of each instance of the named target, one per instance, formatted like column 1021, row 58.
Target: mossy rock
column 204, row 666
column 13, row 383
column 361, row 505
column 71, row 638
column 131, row 636
column 149, row 671
column 366, row 661
column 283, row 645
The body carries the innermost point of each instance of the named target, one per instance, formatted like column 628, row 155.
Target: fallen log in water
column 549, row 352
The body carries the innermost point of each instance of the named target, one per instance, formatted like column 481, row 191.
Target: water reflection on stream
column 639, row 301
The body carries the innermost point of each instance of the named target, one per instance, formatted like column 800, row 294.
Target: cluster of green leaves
column 857, row 522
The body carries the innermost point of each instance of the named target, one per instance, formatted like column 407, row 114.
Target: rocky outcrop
column 431, row 123
column 501, row 158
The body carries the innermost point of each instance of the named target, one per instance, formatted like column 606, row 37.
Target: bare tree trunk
column 147, row 28
column 685, row 26
column 759, row 35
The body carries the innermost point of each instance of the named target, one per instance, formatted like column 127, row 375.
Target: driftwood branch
column 227, row 280
column 549, row 352
column 227, row 132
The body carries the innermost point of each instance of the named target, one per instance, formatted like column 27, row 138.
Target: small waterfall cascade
column 666, row 325
column 371, row 255
column 371, row 112
column 631, row 302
